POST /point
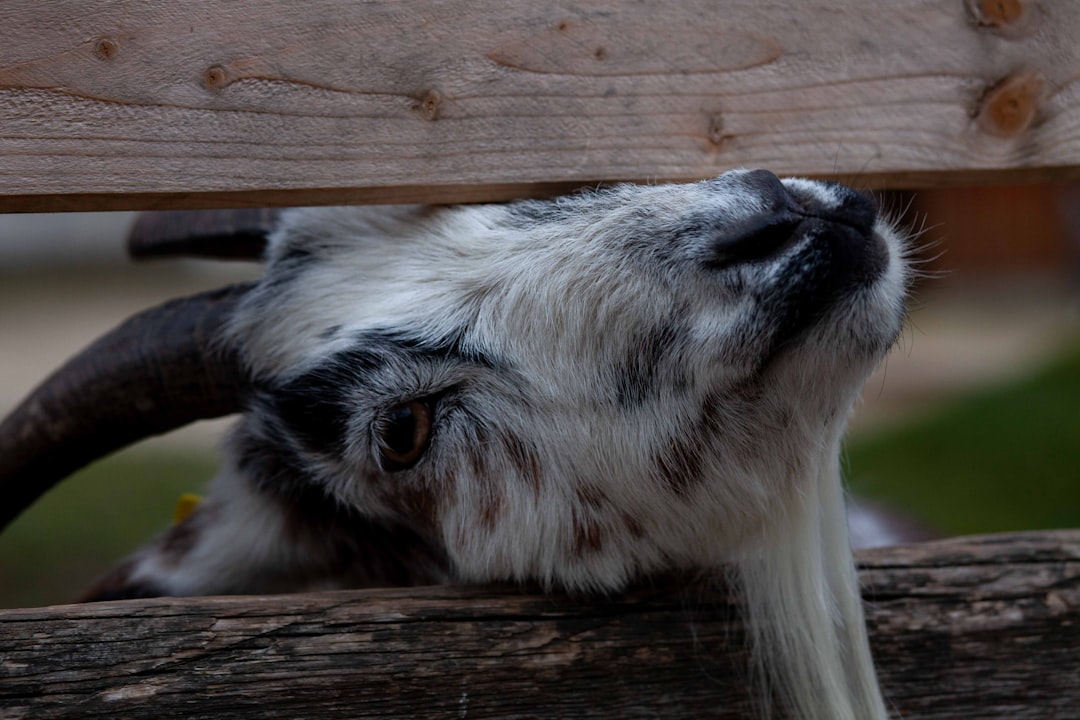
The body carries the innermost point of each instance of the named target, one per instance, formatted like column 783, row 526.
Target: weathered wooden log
column 983, row 627
column 141, row 105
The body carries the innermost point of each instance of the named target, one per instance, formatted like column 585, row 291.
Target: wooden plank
column 155, row 104
column 976, row 627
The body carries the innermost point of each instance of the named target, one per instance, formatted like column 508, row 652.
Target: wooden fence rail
column 984, row 627
column 219, row 103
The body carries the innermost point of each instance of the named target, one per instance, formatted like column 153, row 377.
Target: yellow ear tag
column 185, row 506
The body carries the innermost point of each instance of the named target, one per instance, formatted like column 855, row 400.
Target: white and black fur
column 619, row 383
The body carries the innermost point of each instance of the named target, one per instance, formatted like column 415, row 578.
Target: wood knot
column 215, row 77
column 1010, row 106
column 106, row 48
column 1007, row 17
column 430, row 106
column 715, row 133
column 997, row 13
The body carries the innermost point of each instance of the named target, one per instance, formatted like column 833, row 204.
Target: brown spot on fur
column 462, row 537
column 637, row 377
column 525, row 461
column 444, row 486
column 680, row 466
column 591, row 496
column 422, row 506
column 588, row 536
column 476, row 457
column 492, row 506
column 633, row 525
column 476, row 453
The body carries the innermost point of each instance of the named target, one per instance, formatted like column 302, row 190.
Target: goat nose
column 756, row 238
column 762, row 234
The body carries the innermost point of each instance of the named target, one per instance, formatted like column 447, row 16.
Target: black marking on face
column 863, row 256
column 418, row 349
column 834, row 253
column 317, row 405
column 650, row 368
column 296, row 259
column 330, row 333
column 298, row 255
column 525, row 214
column 805, row 292
column 824, row 270
column 681, row 464
column 269, row 458
column 313, row 409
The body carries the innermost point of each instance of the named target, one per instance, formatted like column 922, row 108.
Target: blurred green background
column 1001, row 458
column 56, row 550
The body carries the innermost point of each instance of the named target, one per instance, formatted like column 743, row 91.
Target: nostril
column 768, row 187
column 757, row 238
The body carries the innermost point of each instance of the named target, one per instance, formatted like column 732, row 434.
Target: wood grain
column 985, row 627
column 155, row 104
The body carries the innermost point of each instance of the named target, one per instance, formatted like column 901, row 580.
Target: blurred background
column 971, row 425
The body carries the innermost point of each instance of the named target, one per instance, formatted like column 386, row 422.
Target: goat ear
column 216, row 234
column 159, row 370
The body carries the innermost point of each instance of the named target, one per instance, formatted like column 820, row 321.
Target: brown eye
column 403, row 432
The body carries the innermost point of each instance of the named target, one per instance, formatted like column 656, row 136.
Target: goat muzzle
column 157, row 371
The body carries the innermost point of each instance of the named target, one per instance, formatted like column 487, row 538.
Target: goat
column 577, row 392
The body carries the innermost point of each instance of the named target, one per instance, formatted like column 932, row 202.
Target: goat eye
column 403, row 432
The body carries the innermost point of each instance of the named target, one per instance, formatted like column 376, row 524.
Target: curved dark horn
column 157, row 371
column 218, row 234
